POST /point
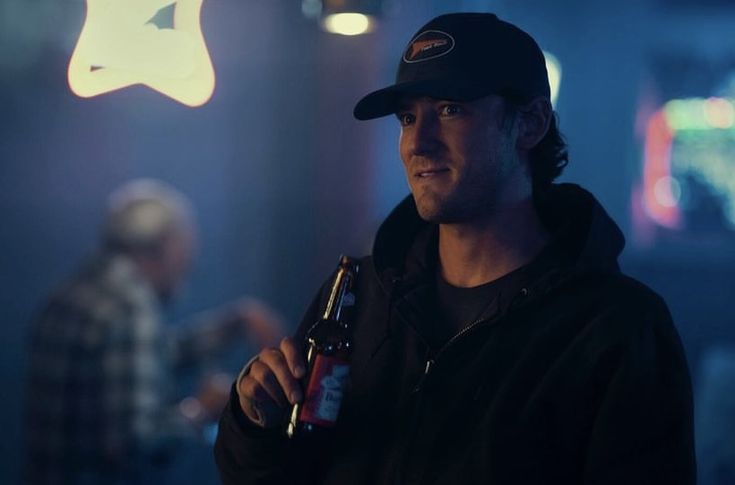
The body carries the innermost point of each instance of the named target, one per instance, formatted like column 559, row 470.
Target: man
column 100, row 407
column 495, row 340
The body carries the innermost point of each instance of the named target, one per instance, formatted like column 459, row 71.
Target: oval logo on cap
column 427, row 45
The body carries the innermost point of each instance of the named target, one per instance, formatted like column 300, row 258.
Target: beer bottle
column 328, row 349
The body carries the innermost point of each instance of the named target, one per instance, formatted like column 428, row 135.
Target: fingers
column 257, row 404
column 278, row 364
column 272, row 383
column 267, row 385
column 294, row 357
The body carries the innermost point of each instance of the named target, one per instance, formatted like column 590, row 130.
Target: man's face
column 460, row 157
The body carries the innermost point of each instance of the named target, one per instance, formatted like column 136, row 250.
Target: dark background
column 284, row 180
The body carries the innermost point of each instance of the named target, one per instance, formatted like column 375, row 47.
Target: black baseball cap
column 462, row 57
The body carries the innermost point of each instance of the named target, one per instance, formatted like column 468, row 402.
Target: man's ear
column 534, row 120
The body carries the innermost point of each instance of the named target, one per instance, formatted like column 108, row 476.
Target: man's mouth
column 430, row 172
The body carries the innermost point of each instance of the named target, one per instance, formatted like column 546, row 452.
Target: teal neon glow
column 702, row 147
column 700, row 114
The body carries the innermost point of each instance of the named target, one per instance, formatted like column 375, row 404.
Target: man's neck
column 471, row 254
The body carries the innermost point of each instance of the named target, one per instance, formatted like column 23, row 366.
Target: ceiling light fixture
column 344, row 17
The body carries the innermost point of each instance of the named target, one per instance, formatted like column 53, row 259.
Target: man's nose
column 425, row 136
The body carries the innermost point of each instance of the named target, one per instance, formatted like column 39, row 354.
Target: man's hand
column 271, row 384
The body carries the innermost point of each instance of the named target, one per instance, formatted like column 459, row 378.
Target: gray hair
column 141, row 213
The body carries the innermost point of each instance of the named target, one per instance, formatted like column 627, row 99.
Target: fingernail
column 296, row 397
column 299, row 371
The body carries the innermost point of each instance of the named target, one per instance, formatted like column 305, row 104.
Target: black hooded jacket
column 574, row 375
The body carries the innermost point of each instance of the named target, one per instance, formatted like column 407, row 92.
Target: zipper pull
column 427, row 369
column 429, row 365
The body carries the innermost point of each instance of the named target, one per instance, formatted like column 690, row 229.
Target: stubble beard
column 464, row 204
column 475, row 197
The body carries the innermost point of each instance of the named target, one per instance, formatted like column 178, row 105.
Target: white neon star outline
column 119, row 47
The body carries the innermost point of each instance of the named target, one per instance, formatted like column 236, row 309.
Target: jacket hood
column 588, row 239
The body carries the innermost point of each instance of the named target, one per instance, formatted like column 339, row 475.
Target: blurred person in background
column 100, row 397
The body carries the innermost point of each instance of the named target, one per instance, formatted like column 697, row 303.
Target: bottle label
column 324, row 391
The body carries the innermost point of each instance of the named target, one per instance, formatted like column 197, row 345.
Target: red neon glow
column 657, row 193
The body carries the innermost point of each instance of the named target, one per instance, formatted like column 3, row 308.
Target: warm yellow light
column 348, row 23
column 119, row 47
column 553, row 69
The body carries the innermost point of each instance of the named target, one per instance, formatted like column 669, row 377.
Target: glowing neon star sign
column 119, row 46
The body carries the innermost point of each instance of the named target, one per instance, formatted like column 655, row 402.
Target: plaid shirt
column 99, row 403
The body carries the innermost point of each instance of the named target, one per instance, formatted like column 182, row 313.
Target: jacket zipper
column 431, row 362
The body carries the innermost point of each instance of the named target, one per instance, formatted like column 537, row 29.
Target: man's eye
column 405, row 118
column 450, row 109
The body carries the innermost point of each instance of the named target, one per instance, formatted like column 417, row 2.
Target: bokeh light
column 348, row 23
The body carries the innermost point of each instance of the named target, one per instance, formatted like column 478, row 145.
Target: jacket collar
column 584, row 235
